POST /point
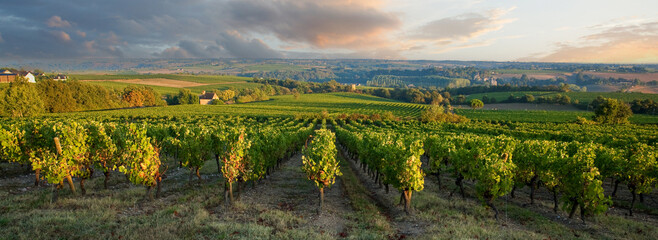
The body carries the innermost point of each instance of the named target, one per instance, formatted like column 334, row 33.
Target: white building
column 30, row 77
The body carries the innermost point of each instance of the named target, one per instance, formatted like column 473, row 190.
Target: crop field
column 537, row 116
column 169, row 84
column 582, row 97
column 180, row 77
column 277, row 200
column 286, row 105
column 242, row 171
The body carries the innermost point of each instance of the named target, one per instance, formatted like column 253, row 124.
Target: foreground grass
column 371, row 223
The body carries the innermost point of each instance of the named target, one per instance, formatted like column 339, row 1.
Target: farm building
column 8, row 76
column 29, row 76
column 206, row 97
column 60, row 77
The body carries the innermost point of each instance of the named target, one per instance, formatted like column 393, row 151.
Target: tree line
column 23, row 99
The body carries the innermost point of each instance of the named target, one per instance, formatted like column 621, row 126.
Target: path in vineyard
column 403, row 224
column 288, row 190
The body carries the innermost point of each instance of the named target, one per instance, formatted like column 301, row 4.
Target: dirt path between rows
column 287, row 189
column 406, row 226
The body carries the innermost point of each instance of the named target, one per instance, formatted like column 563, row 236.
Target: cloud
column 462, row 27
column 175, row 52
column 322, row 24
column 190, row 49
column 58, row 22
column 147, row 27
column 1, row 40
column 61, row 35
column 631, row 43
column 240, row 47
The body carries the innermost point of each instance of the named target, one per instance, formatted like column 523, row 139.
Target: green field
column 542, row 116
column 180, row 77
column 286, row 105
column 582, row 97
column 214, row 82
column 337, row 103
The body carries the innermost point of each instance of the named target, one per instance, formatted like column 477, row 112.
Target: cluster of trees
column 303, row 75
column 141, row 96
column 306, row 87
column 646, row 106
column 23, row 99
column 529, row 98
column 230, row 96
column 412, row 95
column 418, row 81
column 611, row 111
column 437, row 113
column 432, row 76
column 501, row 88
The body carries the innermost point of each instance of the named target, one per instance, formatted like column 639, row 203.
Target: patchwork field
column 163, row 82
column 170, row 83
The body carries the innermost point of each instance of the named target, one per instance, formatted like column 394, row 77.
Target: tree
column 528, row 98
column 226, row 95
column 320, row 162
column 476, row 104
column 57, row 95
column 140, row 96
column 22, row 99
column 434, row 113
column 612, row 111
column 185, row 96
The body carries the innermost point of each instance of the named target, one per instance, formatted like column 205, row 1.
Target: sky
column 601, row 31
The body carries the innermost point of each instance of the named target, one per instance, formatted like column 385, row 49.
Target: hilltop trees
column 21, row 99
column 612, row 111
column 141, row 96
column 477, row 104
column 185, row 96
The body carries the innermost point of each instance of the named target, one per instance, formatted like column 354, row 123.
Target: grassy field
column 213, row 82
column 582, row 97
column 286, row 105
column 542, row 116
column 180, row 77
column 337, row 103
